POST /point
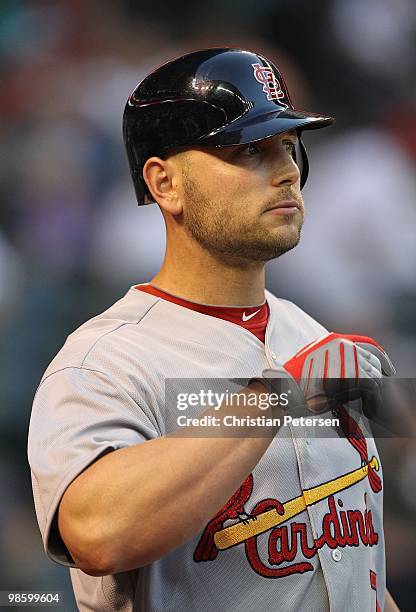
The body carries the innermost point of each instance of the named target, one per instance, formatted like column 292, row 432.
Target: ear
column 161, row 177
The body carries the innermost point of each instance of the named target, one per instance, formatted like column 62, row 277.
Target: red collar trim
column 252, row 318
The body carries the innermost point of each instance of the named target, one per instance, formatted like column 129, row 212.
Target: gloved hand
column 336, row 369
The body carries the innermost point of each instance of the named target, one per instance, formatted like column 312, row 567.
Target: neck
column 199, row 276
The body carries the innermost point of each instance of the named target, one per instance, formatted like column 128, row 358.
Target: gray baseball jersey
column 106, row 390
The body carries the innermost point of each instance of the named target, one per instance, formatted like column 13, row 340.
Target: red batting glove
column 357, row 363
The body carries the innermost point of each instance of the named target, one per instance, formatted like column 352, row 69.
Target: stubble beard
column 229, row 238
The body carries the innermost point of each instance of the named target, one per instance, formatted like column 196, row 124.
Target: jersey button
column 336, row 554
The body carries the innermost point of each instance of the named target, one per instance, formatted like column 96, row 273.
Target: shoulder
column 105, row 333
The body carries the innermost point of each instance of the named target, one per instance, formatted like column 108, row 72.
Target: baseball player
column 150, row 520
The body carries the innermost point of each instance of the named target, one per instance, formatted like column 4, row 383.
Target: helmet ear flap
column 140, row 187
column 301, row 159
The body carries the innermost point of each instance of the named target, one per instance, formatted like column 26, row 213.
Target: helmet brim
column 259, row 127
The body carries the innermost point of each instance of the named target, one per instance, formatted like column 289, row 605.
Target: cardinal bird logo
column 233, row 509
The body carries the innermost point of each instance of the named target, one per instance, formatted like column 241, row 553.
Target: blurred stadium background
column 72, row 239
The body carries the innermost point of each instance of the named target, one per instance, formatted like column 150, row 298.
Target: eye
column 290, row 148
column 250, row 150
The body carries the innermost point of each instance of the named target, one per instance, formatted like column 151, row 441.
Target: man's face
column 230, row 197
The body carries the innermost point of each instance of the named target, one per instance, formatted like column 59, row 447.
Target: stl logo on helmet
column 267, row 78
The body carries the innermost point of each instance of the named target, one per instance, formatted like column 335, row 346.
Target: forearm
column 137, row 504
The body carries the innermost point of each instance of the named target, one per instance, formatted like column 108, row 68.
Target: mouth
column 285, row 207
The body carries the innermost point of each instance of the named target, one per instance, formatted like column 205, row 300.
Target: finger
column 318, row 404
column 375, row 373
column 345, row 390
column 366, row 360
column 368, row 370
column 387, row 367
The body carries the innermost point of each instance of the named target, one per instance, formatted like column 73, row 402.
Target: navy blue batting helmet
column 212, row 98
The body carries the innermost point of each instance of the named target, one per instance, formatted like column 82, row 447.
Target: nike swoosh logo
column 250, row 316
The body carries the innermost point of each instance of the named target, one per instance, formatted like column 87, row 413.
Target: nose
column 285, row 170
